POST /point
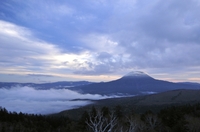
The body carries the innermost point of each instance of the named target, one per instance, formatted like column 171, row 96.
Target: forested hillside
column 172, row 119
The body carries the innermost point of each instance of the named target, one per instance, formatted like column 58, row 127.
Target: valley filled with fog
column 29, row 100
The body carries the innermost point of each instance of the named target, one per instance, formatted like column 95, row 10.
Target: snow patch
column 136, row 74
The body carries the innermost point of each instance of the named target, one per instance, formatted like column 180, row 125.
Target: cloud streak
column 29, row 100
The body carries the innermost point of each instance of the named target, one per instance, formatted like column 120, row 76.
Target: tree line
column 171, row 119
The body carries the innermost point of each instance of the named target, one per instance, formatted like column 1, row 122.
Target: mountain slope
column 133, row 83
column 141, row 104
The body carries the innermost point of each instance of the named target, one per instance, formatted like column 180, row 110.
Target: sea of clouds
column 29, row 100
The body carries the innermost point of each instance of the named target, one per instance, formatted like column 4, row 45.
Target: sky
column 99, row 40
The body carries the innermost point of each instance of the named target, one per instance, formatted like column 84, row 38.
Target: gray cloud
column 160, row 34
column 40, row 75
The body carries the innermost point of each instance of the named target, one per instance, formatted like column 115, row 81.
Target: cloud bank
column 29, row 100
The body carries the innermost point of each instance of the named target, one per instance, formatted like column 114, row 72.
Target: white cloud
column 21, row 52
column 101, row 42
column 29, row 100
column 19, row 39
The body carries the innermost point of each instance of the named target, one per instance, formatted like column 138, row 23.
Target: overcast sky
column 99, row 40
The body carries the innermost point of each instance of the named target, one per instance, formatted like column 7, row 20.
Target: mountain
column 136, row 74
column 191, row 83
column 141, row 104
column 133, row 83
column 55, row 85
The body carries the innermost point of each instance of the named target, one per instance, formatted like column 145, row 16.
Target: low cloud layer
column 29, row 100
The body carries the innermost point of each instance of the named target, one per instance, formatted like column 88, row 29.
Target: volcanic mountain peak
column 136, row 74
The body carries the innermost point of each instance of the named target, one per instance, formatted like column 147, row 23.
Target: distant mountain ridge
column 55, row 85
column 133, row 83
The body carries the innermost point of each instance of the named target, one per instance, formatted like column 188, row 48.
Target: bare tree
column 99, row 123
column 152, row 121
column 135, row 124
column 193, row 124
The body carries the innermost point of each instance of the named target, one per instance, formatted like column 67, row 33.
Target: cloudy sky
column 99, row 40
